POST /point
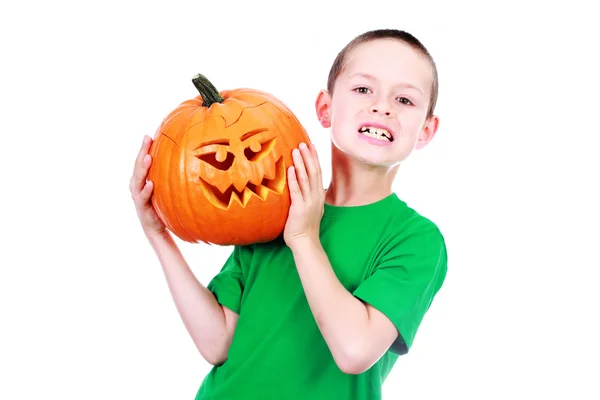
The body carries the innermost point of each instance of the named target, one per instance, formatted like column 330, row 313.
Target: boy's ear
column 322, row 106
column 428, row 131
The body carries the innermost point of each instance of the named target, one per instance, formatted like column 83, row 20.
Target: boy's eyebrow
column 371, row 77
column 363, row 75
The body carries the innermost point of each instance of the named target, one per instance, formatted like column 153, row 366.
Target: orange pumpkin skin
column 219, row 164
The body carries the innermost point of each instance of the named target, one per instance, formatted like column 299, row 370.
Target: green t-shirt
column 385, row 253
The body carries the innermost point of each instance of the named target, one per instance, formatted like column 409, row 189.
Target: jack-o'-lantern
column 219, row 166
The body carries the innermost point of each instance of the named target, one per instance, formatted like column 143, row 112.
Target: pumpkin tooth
column 225, row 199
column 235, row 197
column 270, row 170
column 277, row 183
column 213, row 195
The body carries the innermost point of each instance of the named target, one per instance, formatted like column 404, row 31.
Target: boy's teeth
column 376, row 133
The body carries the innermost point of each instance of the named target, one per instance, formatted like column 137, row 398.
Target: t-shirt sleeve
column 228, row 284
column 409, row 273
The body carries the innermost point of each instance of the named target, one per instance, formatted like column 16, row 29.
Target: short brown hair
column 402, row 36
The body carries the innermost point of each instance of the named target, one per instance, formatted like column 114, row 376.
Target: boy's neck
column 353, row 183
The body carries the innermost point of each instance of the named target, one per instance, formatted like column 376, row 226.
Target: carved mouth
column 224, row 200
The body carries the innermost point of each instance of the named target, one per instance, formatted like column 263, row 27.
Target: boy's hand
column 307, row 194
column 141, row 191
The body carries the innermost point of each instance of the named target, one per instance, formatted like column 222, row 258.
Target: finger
column 134, row 182
column 311, row 168
column 145, row 194
column 301, row 175
column 317, row 162
column 140, row 173
column 295, row 193
column 146, row 142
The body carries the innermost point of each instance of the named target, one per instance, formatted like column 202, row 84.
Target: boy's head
column 380, row 98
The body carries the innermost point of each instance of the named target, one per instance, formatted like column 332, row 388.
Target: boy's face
column 378, row 110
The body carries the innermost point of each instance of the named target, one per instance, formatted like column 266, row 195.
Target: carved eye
column 256, row 147
column 257, row 151
column 221, row 159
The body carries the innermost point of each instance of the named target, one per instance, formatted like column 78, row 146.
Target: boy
column 325, row 311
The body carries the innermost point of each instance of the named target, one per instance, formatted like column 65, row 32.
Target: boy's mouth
column 376, row 133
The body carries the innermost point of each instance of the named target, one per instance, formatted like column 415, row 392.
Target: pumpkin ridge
column 170, row 208
column 201, row 109
column 204, row 119
column 242, row 112
column 194, row 225
column 168, row 137
column 182, row 112
column 175, row 184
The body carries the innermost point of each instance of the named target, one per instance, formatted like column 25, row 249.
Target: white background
column 511, row 179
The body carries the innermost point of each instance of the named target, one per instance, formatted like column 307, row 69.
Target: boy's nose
column 377, row 111
column 380, row 106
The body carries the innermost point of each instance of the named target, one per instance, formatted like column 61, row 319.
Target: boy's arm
column 384, row 312
column 356, row 333
column 210, row 325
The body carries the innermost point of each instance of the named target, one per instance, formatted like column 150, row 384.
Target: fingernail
column 303, row 145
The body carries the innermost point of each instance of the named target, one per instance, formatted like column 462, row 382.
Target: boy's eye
column 362, row 89
column 404, row 100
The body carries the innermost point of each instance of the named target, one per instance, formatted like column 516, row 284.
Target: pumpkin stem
column 207, row 90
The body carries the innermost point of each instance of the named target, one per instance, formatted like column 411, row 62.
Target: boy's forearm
column 342, row 318
column 202, row 315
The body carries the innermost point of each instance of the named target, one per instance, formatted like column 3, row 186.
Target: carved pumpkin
column 219, row 166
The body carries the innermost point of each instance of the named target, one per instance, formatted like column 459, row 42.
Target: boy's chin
column 365, row 155
column 386, row 164
column 375, row 161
